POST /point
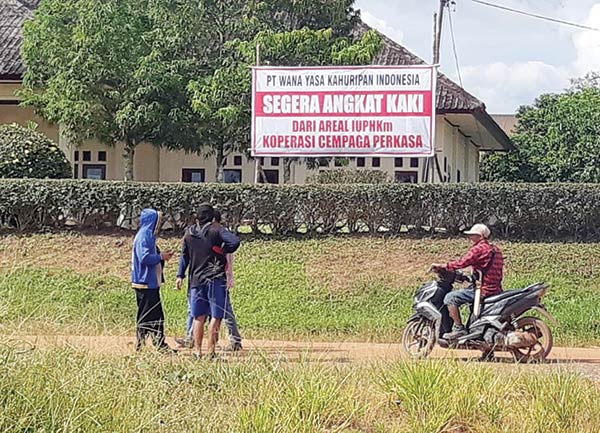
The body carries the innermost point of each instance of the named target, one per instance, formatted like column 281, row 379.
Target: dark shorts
column 209, row 299
column 460, row 297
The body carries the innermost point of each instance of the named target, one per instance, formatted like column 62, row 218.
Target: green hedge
column 525, row 211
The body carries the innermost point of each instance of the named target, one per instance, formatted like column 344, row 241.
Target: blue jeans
column 229, row 319
column 461, row 297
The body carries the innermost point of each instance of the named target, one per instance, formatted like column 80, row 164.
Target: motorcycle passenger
column 487, row 262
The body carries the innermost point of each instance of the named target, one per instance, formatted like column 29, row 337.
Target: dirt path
column 585, row 361
column 290, row 350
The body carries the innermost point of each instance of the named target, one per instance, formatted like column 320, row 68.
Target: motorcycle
column 496, row 323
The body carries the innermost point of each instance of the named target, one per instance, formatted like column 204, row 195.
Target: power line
column 540, row 17
column 454, row 48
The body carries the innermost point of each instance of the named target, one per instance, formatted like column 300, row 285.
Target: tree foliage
column 288, row 33
column 26, row 153
column 557, row 139
column 96, row 68
column 174, row 73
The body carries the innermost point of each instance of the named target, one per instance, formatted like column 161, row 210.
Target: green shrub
column 25, row 153
column 350, row 176
column 543, row 212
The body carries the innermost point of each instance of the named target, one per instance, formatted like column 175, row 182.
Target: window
column 275, row 162
column 445, row 164
column 87, row 155
column 458, row 175
column 232, row 176
column 398, row 162
column 271, row 175
column 193, row 175
column 406, row 177
column 360, row 162
column 376, row 162
column 76, row 171
column 339, row 162
column 102, row 155
column 225, row 161
column 76, row 155
column 237, row 160
column 323, row 162
column 262, row 161
column 94, row 171
column 414, row 162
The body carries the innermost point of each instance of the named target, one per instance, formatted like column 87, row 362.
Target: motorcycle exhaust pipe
column 519, row 340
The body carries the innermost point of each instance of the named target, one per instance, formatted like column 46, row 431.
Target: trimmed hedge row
column 512, row 210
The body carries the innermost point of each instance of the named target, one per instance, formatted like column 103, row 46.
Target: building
column 463, row 129
column 508, row 123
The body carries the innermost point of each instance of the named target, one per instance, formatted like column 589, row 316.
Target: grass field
column 328, row 289
column 70, row 391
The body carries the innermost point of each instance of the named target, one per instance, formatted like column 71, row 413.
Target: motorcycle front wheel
column 543, row 346
column 418, row 338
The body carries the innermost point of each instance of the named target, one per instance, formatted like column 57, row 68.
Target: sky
column 506, row 60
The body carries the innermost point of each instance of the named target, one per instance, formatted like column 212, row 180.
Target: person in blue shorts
column 235, row 338
column 207, row 274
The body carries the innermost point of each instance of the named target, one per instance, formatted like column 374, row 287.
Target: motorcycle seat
column 510, row 293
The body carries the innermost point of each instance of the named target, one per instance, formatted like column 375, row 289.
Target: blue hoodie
column 146, row 272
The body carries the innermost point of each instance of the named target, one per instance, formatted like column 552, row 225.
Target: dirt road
column 342, row 352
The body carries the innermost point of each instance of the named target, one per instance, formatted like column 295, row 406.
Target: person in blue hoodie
column 146, row 278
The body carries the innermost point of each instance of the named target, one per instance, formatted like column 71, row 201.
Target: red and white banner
column 343, row 111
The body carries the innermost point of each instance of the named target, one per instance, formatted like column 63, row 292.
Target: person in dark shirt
column 235, row 338
column 207, row 273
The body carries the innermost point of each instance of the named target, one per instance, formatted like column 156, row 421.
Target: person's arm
column 149, row 257
column 184, row 260
column 470, row 259
column 231, row 242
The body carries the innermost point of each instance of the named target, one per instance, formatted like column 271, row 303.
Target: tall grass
column 451, row 397
column 71, row 391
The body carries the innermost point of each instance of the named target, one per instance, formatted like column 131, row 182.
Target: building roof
column 13, row 13
column 508, row 122
column 450, row 96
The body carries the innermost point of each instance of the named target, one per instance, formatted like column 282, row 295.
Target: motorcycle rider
column 487, row 261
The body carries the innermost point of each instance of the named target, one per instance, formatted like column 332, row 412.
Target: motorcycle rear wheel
column 540, row 351
column 418, row 338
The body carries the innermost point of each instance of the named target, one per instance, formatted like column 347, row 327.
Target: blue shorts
column 209, row 299
column 460, row 297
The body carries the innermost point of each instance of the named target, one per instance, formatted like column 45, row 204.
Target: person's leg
column 454, row 300
column 188, row 340
column 235, row 338
column 216, row 296
column 200, row 308
column 198, row 334
column 140, row 332
column 159, row 324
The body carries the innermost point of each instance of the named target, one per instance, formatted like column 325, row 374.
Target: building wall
column 455, row 153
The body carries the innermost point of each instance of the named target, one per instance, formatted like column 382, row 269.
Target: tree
column 221, row 99
column 26, row 153
column 558, row 140
column 589, row 80
column 95, row 68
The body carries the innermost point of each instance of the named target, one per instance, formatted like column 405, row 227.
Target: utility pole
column 256, row 158
column 437, row 41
